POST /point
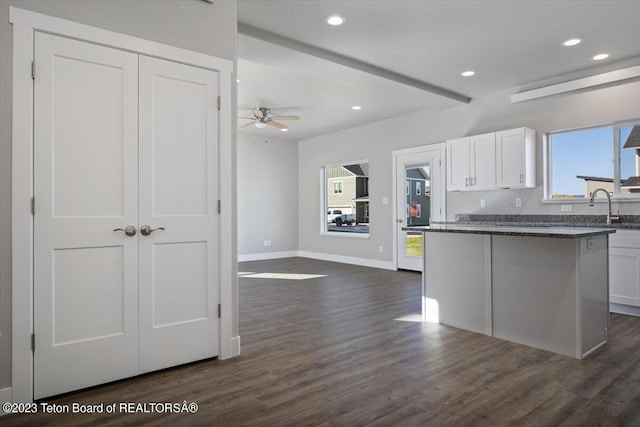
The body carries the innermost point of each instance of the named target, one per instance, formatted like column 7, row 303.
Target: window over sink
column 580, row 161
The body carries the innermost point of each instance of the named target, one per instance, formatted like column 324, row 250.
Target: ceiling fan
column 262, row 118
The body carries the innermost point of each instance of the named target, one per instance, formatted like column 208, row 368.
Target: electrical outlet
column 483, row 203
column 518, row 202
column 267, row 243
column 385, row 200
column 566, row 208
column 380, row 249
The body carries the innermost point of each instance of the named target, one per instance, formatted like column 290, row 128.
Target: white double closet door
column 122, row 140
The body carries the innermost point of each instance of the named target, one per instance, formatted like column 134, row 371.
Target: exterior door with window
column 420, row 192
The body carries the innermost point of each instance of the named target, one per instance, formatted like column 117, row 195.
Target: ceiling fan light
column 261, row 125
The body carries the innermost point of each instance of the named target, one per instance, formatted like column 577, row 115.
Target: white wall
column 484, row 114
column 190, row 24
column 267, row 196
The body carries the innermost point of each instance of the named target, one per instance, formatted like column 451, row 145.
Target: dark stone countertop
column 631, row 222
column 510, row 230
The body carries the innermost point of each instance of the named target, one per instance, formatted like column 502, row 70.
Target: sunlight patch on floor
column 283, row 276
column 244, row 273
column 410, row 318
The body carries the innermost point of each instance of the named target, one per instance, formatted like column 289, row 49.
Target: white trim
column 267, row 255
column 21, row 220
column 612, row 77
column 235, row 346
column 624, row 309
column 24, row 24
column 5, row 397
column 364, row 262
column 343, row 234
column 49, row 24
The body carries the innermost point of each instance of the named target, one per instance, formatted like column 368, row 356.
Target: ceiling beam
column 623, row 75
column 347, row 61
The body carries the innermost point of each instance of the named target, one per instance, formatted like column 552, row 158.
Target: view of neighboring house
column 418, row 196
column 348, row 190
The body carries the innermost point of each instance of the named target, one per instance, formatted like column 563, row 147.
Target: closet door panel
column 178, row 199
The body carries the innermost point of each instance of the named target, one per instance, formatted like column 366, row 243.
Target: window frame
column 324, row 206
column 547, row 163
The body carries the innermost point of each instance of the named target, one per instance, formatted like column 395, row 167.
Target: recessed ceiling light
column 335, row 20
column 467, row 73
column 571, row 42
column 356, row 107
column 284, row 130
column 237, row 80
column 600, row 56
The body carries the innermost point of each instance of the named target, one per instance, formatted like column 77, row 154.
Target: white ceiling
column 507, row 43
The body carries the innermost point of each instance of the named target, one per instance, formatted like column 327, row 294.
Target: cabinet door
column 510, row 153
column 458, row 171
column 624, row 276
column 483, row 161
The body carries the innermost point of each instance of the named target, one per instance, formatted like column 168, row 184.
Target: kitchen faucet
column 609, row 215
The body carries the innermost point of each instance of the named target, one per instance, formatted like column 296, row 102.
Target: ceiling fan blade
column 248, row 118
column 276, row 124
column 246, row 125
column 258, row 113
column 285, row 117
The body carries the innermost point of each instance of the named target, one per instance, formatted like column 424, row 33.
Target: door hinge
column 439, row 162
column 219, row 102
column 219, row 311
column 33, row 70
column 219, row 206
column 33, row 342
column 33, row 206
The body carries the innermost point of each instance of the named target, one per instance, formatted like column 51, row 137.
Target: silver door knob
column 399, row 219
column 129, row 230
column 145, row 230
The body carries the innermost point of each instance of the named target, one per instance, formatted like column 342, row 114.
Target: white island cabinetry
column 624, row 275
column 542, row 287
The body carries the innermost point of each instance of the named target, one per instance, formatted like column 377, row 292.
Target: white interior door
column 179, row 192
column 86, row 185
column 420, row 190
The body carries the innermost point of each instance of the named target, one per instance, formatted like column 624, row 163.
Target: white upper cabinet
column 458, row 166
column 491, row 161
column 483, row 161
column 516, row 158
column 471, row 163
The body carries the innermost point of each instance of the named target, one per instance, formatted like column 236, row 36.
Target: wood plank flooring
column 328, row 351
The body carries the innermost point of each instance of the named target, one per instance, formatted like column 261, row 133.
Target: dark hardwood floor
column 329, row 351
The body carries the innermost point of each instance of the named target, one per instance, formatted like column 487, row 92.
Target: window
column 345, row 198
column 581, row 161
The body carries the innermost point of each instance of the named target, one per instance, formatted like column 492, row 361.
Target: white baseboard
column 267, row 255
column 386, row 265
column 235, row 346
column 5, row 397
column 624, row 309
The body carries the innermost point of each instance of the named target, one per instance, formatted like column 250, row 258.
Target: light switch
column 483, row 203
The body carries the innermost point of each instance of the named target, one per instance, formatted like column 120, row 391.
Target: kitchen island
column 545, row 287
